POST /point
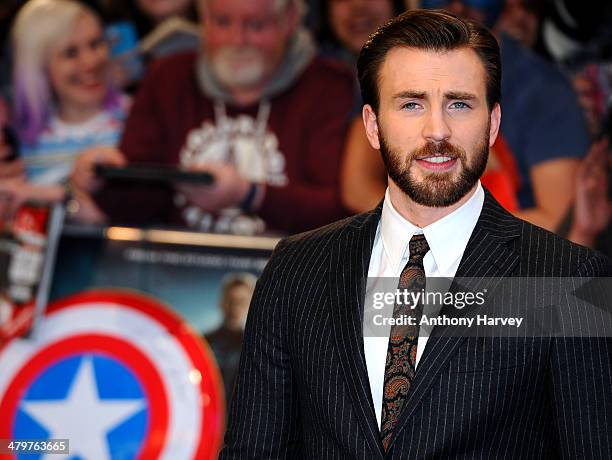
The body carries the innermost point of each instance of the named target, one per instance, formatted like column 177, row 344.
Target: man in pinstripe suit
column 311, row 385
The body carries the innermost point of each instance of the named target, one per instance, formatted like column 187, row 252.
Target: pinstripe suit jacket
column 303, row 389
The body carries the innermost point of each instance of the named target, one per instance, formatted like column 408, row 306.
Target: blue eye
column 459, row 105
column 410, row 106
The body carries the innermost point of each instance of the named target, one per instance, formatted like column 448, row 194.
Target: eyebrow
column 455, row 95
column 410, row 95
column 460, row 95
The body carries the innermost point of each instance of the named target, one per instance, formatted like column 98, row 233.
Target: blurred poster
column 184, row 269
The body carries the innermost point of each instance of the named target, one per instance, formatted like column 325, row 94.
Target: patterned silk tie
column 401, row 352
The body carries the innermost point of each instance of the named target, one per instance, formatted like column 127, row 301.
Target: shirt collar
column 447, row 237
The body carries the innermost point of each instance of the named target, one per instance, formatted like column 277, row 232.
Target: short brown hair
column 434, row 30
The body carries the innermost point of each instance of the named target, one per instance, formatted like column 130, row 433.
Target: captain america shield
column 118, row 375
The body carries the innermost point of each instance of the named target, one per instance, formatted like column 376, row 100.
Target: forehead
column 85, row 27
column 431, row 71
column 238, row 290
column 87, row 21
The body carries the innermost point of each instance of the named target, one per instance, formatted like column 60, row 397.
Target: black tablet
column 157, row 174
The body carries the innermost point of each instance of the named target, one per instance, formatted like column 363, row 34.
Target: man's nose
column 238, row 34
column 435, row 127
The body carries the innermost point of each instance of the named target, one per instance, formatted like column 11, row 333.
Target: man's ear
column 495, row 119
column 371, row 126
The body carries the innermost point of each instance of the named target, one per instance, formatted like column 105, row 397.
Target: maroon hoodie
column 310, row 121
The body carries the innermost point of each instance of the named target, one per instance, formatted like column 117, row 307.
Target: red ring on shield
column 114, row 348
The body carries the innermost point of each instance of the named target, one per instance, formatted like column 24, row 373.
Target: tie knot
column 418, row 247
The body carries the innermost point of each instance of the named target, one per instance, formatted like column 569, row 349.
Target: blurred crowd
column 262, row 96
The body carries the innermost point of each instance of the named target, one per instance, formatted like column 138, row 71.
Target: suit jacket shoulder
column 313, row 246
column 546, row 254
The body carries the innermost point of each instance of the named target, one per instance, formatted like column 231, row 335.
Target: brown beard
column 436, row 190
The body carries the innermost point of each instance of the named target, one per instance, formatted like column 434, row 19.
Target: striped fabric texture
column 303, row 391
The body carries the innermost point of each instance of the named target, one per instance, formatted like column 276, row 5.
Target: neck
column 233, row 325
column 77, row 114
column 420, row 215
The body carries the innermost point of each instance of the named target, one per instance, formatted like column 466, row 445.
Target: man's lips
column 437, row 162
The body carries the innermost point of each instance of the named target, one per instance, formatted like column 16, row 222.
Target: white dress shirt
column 447, row 239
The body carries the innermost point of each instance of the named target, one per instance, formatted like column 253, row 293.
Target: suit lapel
column 350, row 260
column 487, row 256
